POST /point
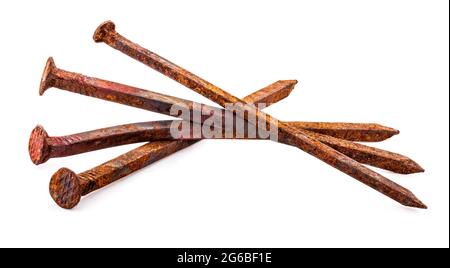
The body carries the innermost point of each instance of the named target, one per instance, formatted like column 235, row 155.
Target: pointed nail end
column 413, row 167
column 421, row 205
column 420, row 169
column 391, row 132
column 416, row 203
column 290, row 84
column 289, row 81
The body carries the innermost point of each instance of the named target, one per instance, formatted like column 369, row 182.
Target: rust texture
column 67, row 188
column 349, row 131
column 160, row 103
column 287, row 134
column 369, row 155
column 115, row 92
column 43, row 147
column 270, row 94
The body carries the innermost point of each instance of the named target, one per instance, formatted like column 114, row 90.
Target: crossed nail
column 333, row 143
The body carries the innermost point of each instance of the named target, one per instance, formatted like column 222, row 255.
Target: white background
column 356, row 61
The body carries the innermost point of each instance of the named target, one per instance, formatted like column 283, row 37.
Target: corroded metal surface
column 66, row 187
column 139, row 132
column 115, row 92
column 136, row 97
column 161, row 130
column 43, row 147
column 287, row 134
column 270, row 94
column 349, row 131
column 369, row 155
column 156, row 102
column 107, row 90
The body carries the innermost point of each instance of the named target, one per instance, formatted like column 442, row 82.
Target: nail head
column 65, row 188
column 45, row 80
column 37, row 146
column 102, row 30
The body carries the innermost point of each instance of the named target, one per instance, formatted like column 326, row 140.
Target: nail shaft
column 287, row 134
column 152, row 101
column 349, row 131
column 162, row 130
column 43, row 147
column 66, row 188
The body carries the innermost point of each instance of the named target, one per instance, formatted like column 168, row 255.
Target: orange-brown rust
column 37, row 145
column 287, row 134
column 43, row 147
column 107, row 90
column 162, row 130
column 139, row 98
column 270, row 95
column 153, row 131
column 349, row 131
column 156, row 102
column 66, row 187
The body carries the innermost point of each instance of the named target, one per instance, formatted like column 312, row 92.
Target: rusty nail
column 132, row 96
column 287, row 134
column 349, row 131
column 67, row 188
column 369, row 155
column 42, row 147
column 103, row 89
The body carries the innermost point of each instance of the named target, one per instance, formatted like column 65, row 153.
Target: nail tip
column 396, row 131
column 416, row 203
column 290, row 85
column 389, row 132
column 419, row 169
column 421, row 206
column 415, row 168
column 293, row 82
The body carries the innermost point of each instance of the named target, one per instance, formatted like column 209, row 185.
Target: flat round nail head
column 45, row 79
column 37, row 145
column 102, row 30
column 65, row 188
